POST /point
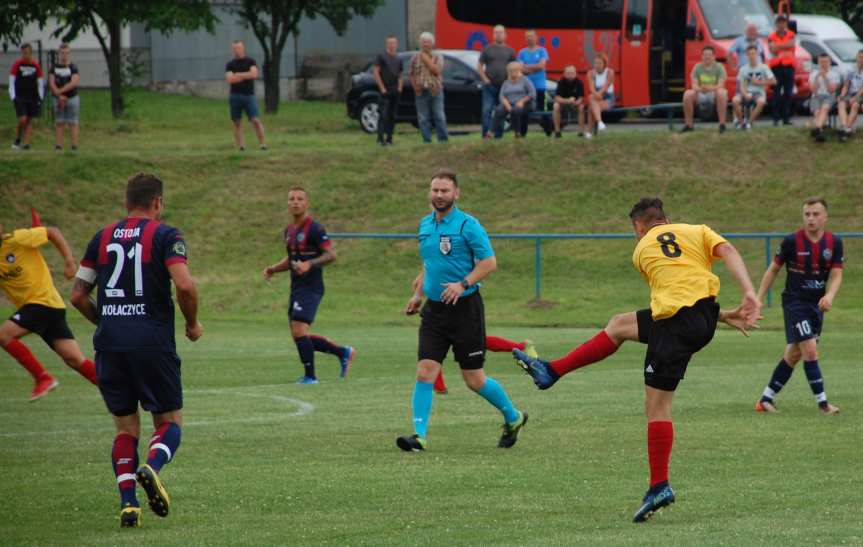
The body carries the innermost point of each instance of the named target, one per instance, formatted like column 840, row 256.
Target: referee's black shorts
column 461, row 327
column 671, row 342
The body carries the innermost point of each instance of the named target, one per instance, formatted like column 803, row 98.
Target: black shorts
column 304, row 305
column 27, row 107
column 672, row 342
column 803, row 320
column 148, row 378
column 49, row 323
column 461, row 327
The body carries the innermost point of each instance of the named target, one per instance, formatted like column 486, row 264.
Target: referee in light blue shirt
column 456, row 255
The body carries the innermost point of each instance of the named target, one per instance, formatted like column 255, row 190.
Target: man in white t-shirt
column 824, row 82
column 753, row 78
column 851, row 98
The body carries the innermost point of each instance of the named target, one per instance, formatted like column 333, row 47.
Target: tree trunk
column 271, row 82
column 115, row 67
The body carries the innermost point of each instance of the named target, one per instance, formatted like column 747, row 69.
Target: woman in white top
column 600, row 80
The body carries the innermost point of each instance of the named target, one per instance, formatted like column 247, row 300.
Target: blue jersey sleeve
column 174, row 248
column 785, row 253
column 838, row 253
column 319, row 237
column 91, row 255
column 477, row 239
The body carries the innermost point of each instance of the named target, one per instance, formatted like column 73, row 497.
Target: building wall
column 421, row 18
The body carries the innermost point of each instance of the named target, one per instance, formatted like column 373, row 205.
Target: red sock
column 124, row 457
column 23, row 355
column 88, row 371
column 596, row 349
column 497, row 344
column 439, row 384
column 660, row 437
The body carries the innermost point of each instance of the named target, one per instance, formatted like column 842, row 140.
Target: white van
column 820, row 33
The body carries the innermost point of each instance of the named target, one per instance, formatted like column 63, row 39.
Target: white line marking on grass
column 303, row 408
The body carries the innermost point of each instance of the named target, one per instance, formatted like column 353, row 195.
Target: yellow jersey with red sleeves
column 676, row 261
column 24, row 275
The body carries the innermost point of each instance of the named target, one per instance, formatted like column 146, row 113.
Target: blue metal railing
column 768, row 238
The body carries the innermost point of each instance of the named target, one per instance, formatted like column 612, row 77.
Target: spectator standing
column 600, row 96
column 753, row 78
column 851, row 97
column 707, row 91
column 492, row 71
column 534, row 58
column 426, row 75
column 63, row 81
column 26, row 89
column 824, row 83
column 241, row 72
column 742, row 43
column 782, row 44
column 517, row 96
column 388, row 76
column 569, row 98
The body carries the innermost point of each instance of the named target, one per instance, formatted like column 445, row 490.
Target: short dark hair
column 298, row 189
column 815, row 200
column 26, row 45
column 708, row 48
column 142, row 189
column 647, row 210
column 446, row 173
column 823, row 54
column 64, row 45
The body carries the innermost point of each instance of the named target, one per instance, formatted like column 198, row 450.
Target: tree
column 849, row 10
column 272, row 21
column 14, row 16
column 106, row 19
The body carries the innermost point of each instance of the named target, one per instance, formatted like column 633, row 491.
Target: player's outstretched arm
column 187, row 298
column 81, row 295
column 55, row 236
column 767, row 280
column 750, row 306
column 736, row 320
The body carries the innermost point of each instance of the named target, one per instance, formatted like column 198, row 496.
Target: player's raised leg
column 494, row 344
column 10, row 333
column 345, row 354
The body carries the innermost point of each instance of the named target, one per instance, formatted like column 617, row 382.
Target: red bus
column 652, row 45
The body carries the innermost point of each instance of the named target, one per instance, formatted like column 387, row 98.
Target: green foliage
column 15, row 15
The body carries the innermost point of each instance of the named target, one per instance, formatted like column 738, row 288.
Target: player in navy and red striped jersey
column 309, row 250
column 814, row 258
column 131, row 263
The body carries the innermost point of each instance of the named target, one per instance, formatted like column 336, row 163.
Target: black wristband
column 465, row 284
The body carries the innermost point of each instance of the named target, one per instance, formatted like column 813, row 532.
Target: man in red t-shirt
column 26, row 89
column 782, row 44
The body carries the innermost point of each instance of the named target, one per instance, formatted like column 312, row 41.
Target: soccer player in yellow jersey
column 27, row 283
column 676, row 261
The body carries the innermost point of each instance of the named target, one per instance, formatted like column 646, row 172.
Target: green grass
column 251, row 471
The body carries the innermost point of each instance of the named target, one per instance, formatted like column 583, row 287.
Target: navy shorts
column 28, row 107
column 803, row 320
column 304, row 305
column 243, row 103
column 148, row 378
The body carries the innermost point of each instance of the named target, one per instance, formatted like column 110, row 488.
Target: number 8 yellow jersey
column 676, row 261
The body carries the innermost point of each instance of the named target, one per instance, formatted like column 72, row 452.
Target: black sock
column 306, row 349
column 325, row 345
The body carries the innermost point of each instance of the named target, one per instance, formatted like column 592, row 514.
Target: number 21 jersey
column 676, row 260
column 128, row 262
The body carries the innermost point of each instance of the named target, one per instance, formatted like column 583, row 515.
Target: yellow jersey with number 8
column 24, row 275
column 676, row 261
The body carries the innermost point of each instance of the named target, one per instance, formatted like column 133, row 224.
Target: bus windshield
column 728, row 18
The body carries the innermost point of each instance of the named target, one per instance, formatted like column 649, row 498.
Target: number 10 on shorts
column 804, row 328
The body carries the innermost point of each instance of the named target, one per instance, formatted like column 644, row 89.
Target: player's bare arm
column 283, row 265
column 55, row 236
column 82, row 301
column 833, row 284
column 301, row 267
column 416, row 300
column 767, row 280
column 750, row 306
column 453, row 291
column 187, row 298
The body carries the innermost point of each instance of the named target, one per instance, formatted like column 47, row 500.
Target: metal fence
column 767, row 237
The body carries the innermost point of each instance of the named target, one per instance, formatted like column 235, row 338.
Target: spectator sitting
column 851, row 98
column 517, row 95
column 752, row 81
column 569, row 98
column 534, row 59
column 600, row 80
column 708, row 90
column 492, row 71
column 824, row 83
column 426, row 73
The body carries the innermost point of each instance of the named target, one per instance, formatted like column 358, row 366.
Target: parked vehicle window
column 845, row 48
column 726, row 18
column 455, row 70
column 815, row 49
column 539, row 14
